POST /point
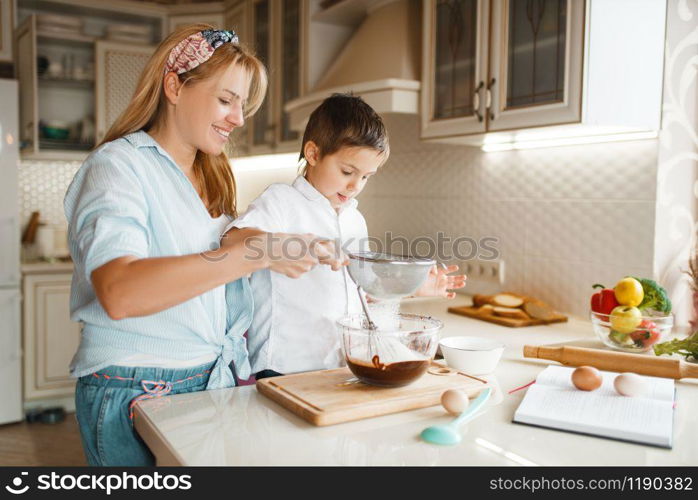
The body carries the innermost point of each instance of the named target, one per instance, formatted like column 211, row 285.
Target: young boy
column 293, row 330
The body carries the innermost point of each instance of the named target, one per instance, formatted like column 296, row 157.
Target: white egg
column 454, row 401
column 630, row 384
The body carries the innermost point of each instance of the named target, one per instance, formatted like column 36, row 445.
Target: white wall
column 678, row 158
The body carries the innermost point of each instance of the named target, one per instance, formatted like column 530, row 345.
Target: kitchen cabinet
column 494, row 68
column 273, row 30
column 73, row 83
column 117, row 64
column 210, row 13
column 7, row 22
column 50, row 338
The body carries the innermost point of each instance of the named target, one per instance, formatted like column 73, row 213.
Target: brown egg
column 586, row 378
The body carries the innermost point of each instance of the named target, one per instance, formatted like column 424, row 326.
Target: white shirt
column 294, row 327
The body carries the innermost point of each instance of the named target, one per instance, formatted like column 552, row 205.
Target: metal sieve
column 387, row 276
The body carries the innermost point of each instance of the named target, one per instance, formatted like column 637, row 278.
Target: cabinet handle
column 488, row 103
column 476, row 100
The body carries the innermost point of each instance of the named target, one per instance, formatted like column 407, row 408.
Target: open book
column 554, row 402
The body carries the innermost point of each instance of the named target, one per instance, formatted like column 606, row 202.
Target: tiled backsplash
column 42, row 186
column 565, row 217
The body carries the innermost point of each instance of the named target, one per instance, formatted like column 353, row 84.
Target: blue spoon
column 449, row 434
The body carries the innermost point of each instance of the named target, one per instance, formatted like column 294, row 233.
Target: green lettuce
column 687, row 347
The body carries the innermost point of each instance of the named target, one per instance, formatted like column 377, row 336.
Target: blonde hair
column 148, row 105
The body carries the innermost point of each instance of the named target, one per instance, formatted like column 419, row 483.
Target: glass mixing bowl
column 650, row 330
column 396, row 354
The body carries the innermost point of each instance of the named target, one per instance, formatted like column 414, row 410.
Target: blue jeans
column 103, row 407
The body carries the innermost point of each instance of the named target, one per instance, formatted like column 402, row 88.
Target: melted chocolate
column 387, row 375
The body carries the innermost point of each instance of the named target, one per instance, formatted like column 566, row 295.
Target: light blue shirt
column 131, row 198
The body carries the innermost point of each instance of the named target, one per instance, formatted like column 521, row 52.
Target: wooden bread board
column 472, row 312
column 328, row 397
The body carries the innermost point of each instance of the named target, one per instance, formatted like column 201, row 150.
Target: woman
column 164, row 307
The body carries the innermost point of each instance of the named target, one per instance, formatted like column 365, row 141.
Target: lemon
column 629, row 292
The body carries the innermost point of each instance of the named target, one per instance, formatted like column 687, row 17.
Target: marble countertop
column 239, row 426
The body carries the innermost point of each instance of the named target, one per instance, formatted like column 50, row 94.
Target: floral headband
column 197, row 49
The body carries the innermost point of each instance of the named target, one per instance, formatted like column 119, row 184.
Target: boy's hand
column 439, row 283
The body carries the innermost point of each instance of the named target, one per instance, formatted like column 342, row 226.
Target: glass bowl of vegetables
column 628, row 329
column 632, row 316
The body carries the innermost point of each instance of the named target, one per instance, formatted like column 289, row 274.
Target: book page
column 554, row 402
column 561, row 376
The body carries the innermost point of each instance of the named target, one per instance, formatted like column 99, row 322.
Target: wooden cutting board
column 329, row 397
column 472, row 312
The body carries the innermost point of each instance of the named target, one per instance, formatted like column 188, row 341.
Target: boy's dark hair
column 345, row 120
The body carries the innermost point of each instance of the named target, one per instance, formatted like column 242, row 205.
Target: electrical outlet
column 491, row 271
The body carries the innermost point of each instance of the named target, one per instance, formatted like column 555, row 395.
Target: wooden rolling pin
column 614, row 361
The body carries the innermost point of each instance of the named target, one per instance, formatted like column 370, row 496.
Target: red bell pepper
column 604, row 301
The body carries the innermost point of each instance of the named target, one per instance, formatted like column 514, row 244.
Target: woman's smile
column 222, row 133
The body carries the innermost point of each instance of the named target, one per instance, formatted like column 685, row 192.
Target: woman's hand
column 292, row 254
column 439, row 283
column 328, row 253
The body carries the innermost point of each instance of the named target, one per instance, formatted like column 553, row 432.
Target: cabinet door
column 50, row 337
column 454, row 67
column 117, row 71
column 536, row 63
column 261, row 125
column 6, row 27
column 289, row 87
column 10, row 357
column 274, row 32
column 236, row 18
column 25, row 38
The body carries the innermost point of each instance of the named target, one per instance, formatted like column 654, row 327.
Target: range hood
column 381, row 62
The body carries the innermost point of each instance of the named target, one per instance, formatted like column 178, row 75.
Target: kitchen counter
column 45, row 267
column 239, row 426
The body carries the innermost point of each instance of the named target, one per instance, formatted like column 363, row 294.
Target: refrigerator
column 10, row 276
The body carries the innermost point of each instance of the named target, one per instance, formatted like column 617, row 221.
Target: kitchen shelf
column 57, row 96
column 67, row 82
column 66, row 145
column 67, row 38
